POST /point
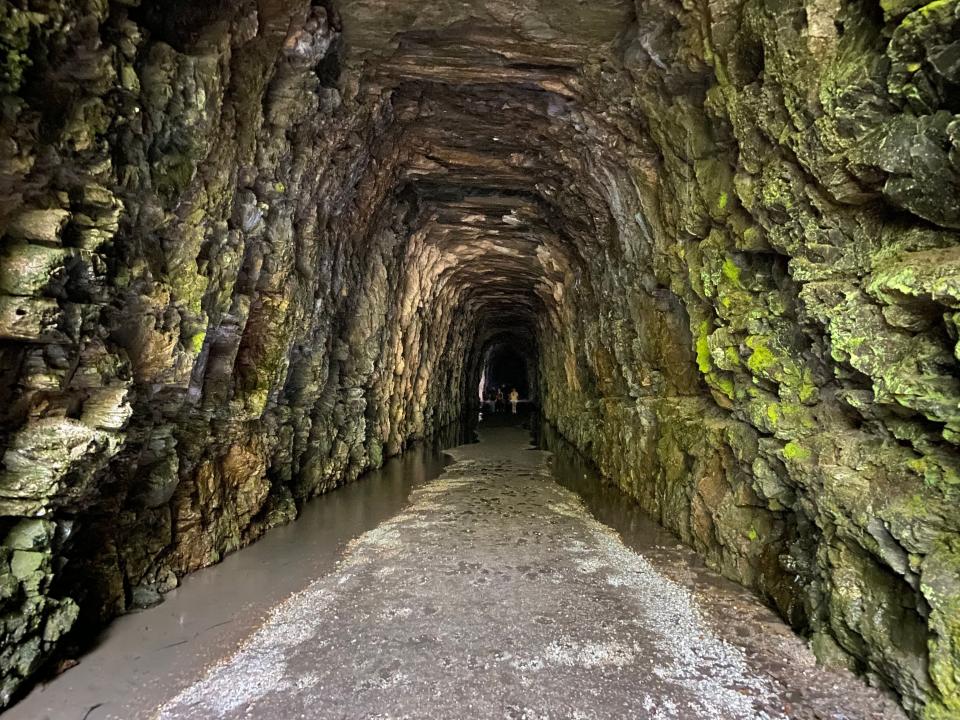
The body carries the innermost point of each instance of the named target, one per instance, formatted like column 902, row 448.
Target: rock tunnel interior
column 250, row 249
column 509, row 363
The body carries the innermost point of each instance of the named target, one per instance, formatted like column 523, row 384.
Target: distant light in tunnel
column 505, row 368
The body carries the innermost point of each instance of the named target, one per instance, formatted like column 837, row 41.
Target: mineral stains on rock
column 252, row 248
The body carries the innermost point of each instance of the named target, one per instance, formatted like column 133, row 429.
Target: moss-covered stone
column 244, row 259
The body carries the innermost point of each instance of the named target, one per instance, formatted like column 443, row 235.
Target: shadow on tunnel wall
column 252, row 249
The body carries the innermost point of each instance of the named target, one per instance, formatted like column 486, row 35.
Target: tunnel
column 509, row 363
column 254, row 252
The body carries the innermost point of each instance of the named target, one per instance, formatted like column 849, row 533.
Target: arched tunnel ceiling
column 252, row 248
column 375, row 27
column 485, row 92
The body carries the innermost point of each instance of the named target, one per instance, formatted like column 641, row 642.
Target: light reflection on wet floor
column 770, row 646
column 147, row 658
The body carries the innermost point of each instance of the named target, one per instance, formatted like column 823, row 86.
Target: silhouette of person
column 514, row 399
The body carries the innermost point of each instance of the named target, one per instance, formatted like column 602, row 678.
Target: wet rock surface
column 144, row 658
column 249, row 249
column 496, row 593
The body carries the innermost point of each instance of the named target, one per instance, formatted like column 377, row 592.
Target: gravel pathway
column 497, row 594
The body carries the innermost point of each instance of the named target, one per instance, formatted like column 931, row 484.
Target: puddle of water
column 638, row 529
column 143, row 658
column 734, row 612
column 147, row 658
column 608, row 503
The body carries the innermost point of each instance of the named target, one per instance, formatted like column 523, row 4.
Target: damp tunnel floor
column 501, row 584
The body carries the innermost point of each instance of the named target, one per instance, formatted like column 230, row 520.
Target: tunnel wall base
column 240, row 266
column 205, row 320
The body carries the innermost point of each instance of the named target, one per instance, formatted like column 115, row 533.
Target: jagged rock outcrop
column 251, row 248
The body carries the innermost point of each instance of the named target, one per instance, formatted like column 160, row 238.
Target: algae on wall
column 243, row 260
column 798, row 241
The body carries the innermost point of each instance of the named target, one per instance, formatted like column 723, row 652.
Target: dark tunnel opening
column 505, row 369
column 508, row 360
column 250, row 251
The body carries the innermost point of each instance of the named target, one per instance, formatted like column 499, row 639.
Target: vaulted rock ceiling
column 251, row 248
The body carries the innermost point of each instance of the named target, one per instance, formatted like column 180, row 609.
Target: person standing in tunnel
column 500, row 405
column 514, row 399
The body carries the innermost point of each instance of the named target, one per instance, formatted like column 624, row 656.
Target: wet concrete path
column 144, row 658
column 496, row 593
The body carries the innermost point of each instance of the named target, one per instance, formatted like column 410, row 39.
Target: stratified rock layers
column 251, row 248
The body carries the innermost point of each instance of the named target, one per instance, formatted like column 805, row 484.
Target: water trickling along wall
column 251, row 248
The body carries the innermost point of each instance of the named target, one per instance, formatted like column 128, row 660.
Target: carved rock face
column 249, row 249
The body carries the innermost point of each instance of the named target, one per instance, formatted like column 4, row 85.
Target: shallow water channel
column 144, row 659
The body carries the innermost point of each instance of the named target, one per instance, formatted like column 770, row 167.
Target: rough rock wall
column 765, row 354
column 249, row 248
column 208, row 312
